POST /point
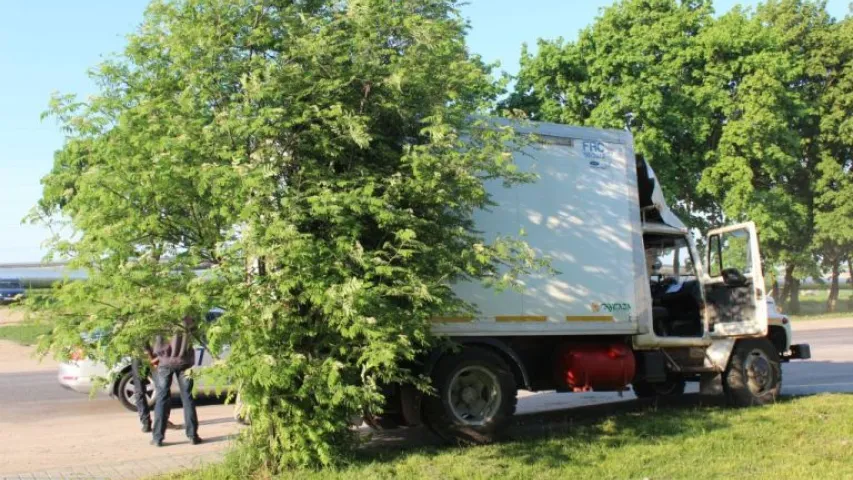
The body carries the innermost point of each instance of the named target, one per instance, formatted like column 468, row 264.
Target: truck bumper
column 799, row 352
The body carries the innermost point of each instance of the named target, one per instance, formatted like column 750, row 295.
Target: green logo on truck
column 611, row 307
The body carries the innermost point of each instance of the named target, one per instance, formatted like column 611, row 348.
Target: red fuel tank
column 595, row 367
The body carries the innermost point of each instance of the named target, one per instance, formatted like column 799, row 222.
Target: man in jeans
column 139, row 372
column 173, row 358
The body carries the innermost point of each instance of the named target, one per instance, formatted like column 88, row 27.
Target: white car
column 779, row 333
column 81, row 374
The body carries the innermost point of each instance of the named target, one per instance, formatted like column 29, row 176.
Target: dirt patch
column 10, row 315
column 16, row 358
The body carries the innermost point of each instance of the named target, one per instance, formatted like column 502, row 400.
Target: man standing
column 174, row 358
column 139, row 371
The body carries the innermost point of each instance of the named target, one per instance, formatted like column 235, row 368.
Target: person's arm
column 152, row 358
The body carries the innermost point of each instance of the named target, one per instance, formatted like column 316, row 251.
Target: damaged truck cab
column 629, row 302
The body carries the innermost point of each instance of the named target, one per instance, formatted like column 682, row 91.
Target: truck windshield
column 670, row 257
column 10, row 284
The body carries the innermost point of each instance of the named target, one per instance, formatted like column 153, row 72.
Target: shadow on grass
column 553, row 438
column 610, row 424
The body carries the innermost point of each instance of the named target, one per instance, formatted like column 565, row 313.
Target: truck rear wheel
column 672, row 387
column 754, row 374
column 475, row 397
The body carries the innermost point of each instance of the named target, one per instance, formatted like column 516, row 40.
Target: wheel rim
column 129, row 391
column 759, row 370
column 474, row 395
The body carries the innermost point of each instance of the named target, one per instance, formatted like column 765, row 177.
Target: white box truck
column 631, row 302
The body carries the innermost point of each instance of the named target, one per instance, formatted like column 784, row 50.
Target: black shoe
column 157, row 443
column 196, row 440
column 146, row 427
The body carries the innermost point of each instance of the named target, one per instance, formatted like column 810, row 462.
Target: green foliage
column 743, row 116
column 639, row 66
column 321, row 158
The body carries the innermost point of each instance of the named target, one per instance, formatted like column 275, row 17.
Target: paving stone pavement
column 133, row 470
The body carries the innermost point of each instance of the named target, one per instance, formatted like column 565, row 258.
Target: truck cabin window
column 675, row 289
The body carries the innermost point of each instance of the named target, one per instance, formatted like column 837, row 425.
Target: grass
column 813, row 305
column 24, row 333
column 809, row 437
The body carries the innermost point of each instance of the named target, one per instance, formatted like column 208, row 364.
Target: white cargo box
column 583, row 214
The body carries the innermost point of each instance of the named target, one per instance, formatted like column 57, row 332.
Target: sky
column 48, row 45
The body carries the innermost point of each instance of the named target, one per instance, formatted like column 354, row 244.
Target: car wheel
column 126, row 391
column 754, row 375
column 475, row 397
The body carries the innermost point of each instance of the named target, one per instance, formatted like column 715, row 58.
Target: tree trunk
column 786, row 288
column 850, row 279
column 794, row 304
column 832, row 300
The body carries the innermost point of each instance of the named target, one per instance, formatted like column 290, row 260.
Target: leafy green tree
column 321, row 158
column 761, row 167
column 833, row 240
column 636, row 67
column 734, row 113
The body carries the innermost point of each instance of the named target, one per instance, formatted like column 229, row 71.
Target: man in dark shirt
column 173, row 358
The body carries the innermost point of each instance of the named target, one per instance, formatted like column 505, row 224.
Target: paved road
column 43, row 427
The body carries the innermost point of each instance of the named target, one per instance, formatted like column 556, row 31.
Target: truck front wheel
column 754, row 374
column 474, row 399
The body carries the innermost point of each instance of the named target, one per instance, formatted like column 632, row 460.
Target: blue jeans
column 163, row 396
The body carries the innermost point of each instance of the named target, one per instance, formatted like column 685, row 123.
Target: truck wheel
column 672, row 387
column 754, row 375
column 474, row 399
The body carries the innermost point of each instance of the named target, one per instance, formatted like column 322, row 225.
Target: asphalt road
column 43, row 426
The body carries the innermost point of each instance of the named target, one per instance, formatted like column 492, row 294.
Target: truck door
column 735, row 302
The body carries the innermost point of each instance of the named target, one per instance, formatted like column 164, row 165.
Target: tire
column 670, row 388
column 754, row 374
column 475, row 397
column 125, row 391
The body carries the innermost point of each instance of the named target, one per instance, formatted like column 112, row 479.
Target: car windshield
column 10, row 284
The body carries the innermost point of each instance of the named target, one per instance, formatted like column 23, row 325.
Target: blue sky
column 48, row 45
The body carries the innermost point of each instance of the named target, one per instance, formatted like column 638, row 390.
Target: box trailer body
column 628, row 301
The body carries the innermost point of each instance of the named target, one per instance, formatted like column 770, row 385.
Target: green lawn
column 813, row 305
column 23, row 333
column 809, row 437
